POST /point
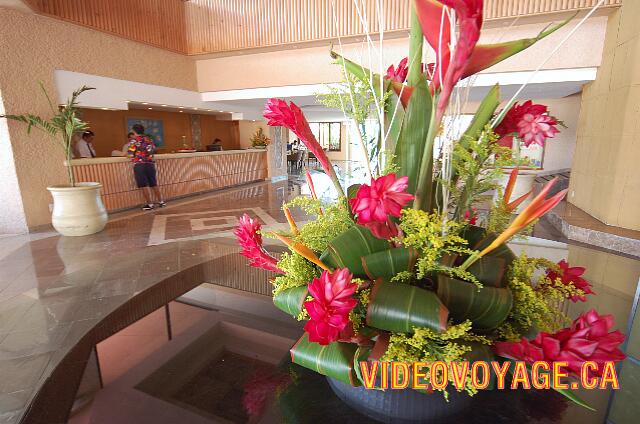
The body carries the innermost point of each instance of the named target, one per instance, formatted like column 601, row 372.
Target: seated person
column 216, row 146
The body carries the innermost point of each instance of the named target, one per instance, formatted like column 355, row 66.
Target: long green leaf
column 487, row 307
column 388, row 263
column 415, row 49
column 360, row 72
column 400, row 307
column 394, row 116
column 487, row 55
column 347, row 250
column 413, row 136
column 290, row 300
column 333, row 360
column 483, row 115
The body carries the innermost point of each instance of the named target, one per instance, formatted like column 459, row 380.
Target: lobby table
column 179, row 174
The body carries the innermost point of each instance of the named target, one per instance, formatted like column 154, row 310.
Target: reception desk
column 179, row 174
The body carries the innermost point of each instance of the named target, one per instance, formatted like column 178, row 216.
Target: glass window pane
column 334, row 141
column 324, row 135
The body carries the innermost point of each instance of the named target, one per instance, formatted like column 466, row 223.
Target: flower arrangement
column 397, row 269
column 259, row 139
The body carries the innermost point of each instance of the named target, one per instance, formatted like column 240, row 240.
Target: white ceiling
column 249, row 103
column 548, row 84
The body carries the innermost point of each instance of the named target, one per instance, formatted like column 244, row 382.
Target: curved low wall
column 179, row 174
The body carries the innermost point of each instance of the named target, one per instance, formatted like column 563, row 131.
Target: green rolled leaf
column 387, row 263
column 501, row 251
column 490, row 271
column 334, row 360
column 400, row 307
column 290, row 300
column 473, row 234
column 487, row 307
column 481, row 352
column 352, row 190
column 413, row 136
column 347, row 250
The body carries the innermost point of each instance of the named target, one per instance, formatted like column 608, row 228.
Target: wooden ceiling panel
column 160, row 23
column 214, row 26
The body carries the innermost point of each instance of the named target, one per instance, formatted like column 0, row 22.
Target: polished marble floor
column 54, row 289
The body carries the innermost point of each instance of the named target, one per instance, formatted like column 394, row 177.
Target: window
column 328, row 135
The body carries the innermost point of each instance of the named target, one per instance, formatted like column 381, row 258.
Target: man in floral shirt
column 141, row 150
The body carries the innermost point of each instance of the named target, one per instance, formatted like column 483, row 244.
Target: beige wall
column 314, row 66
column 248, row 128
column 605, row 181
column 31, row 48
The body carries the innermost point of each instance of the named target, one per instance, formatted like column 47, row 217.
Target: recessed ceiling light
column 150, row 108
column 181, row 111
column 104, row 108
column 180, row 107
column 209, row 110
column 164, row 105
column 221, row 111
column 145, row 103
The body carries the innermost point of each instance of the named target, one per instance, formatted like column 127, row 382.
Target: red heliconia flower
column 281, row 114
column 329, row 310
column 471, row 217
column 249, row 238
column 385, row 197
column 468, row 57
column 398, row 74
column 571, row 275
column 588, row 339
column 469, row 17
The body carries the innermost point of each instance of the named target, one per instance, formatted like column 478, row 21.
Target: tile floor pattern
column 54, row 289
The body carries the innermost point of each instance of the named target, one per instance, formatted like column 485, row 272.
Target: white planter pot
column 78, row 211
column 524, row 184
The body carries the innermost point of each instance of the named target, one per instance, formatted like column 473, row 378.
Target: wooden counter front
column 179, row 174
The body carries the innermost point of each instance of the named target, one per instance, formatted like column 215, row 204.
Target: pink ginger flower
column 571, row 275
column 385, row 197
column 249, row 238
column 531, row 122
column 329, row 310
column 588, row 339
column 535, row 129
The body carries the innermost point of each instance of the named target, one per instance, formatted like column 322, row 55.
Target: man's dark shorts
column 145, row 174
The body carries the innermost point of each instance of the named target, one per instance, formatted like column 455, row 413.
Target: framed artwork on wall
column 154, row 128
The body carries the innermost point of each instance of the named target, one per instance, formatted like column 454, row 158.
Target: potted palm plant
column 78, row 209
